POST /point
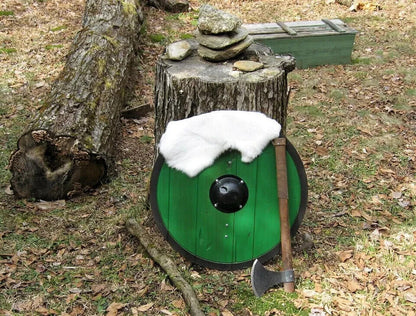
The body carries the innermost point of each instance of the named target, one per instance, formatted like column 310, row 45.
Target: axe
column 261, row 278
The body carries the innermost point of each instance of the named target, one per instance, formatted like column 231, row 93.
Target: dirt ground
column 354, row 126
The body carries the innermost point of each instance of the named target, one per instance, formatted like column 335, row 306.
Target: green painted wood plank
column 215, row 229
column 266, row 218
column 163, row 188
column 183, row 195
column 244, row 219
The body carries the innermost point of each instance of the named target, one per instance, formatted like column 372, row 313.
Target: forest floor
column 354, row 126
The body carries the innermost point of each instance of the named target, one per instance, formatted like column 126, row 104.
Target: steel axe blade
column 263, row 279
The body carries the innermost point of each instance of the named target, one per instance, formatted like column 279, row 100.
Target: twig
column 167, row 265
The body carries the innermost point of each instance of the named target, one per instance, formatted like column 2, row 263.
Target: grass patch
column 6, row 13
column 338, row 94
column 401, row 102
column 59, row 28
column 184, row 17
column 157, row 38
column 405, row 49
column 146, row 139
column 360, row 74
column 27, row 241
column 311, row 110
column 102, row 305
column 7, row 50
column 185, row 36
column 362, row 60
column 411, row 92
column 53, row 46
column 273, row 302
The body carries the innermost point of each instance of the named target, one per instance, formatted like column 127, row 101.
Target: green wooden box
column 312, row 43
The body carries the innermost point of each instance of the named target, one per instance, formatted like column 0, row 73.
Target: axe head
column 263, row 279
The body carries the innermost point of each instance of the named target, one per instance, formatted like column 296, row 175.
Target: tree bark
column 167, row 265
column 170, row 5
column 194, row 86
column 69, row 145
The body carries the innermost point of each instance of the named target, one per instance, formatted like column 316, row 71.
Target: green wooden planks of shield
column 228, row 215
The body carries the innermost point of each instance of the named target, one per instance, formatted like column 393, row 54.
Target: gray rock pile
column 220, row 35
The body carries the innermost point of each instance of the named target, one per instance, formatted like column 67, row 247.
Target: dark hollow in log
column 48, row 166
column 194, row 86
column 69, row 145
column 170, row 5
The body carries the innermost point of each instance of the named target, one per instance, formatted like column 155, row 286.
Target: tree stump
column 194, row 86
column 68, row 147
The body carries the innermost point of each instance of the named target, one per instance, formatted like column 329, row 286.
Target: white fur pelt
column 193, row 144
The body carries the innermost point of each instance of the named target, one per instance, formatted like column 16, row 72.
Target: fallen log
column 167, row 264
column 69, row 145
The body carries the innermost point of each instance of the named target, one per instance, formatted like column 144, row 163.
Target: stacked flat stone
column 220, row 35
column 178, row 50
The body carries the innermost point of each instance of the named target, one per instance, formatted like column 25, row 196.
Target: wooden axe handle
column 283, row 195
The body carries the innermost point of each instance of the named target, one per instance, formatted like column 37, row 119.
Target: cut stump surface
column 195, row 86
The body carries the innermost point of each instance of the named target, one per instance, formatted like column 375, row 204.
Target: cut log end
column 51, row 167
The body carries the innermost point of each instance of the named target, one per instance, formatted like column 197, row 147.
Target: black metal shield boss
column 228, row 193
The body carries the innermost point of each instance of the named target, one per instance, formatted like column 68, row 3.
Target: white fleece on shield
column 193, row 144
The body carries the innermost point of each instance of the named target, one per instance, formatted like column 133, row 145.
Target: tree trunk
column 69, row 145
column 194, row 86
column 170, row 5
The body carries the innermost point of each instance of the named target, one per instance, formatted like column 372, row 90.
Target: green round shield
column 227, row 215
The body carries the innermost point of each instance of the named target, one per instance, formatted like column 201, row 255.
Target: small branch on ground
column 167, row 264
